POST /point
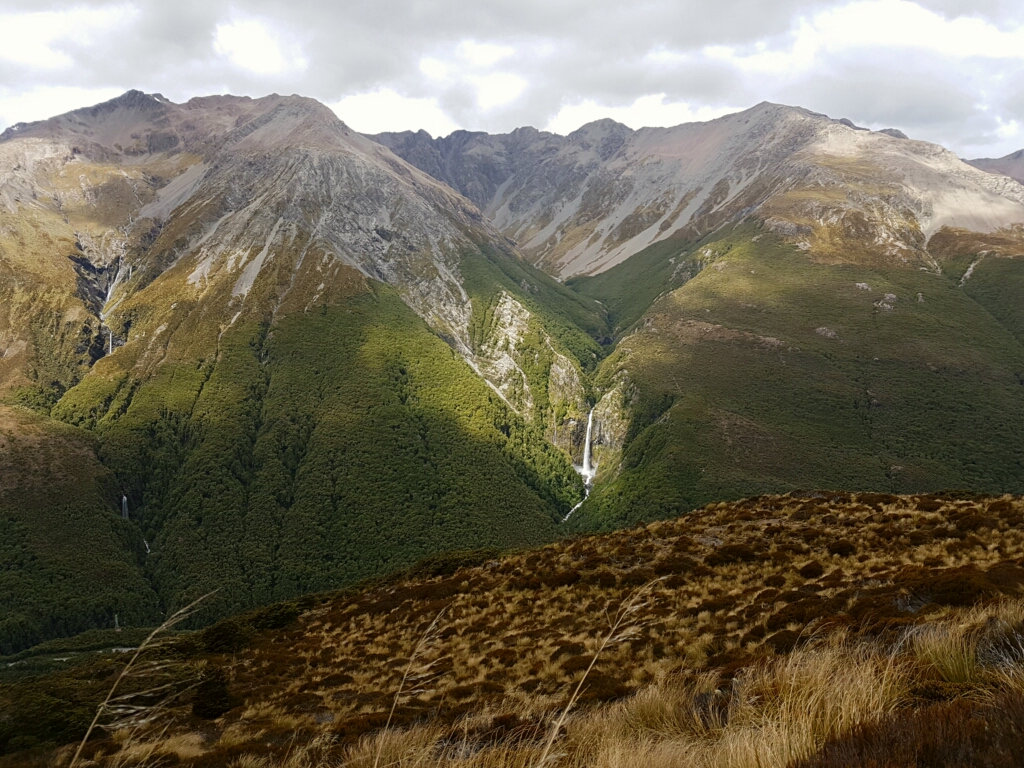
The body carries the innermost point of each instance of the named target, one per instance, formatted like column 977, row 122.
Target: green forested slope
column 768, row 372
column 574, row 319
column 325, row 448
column 70, row 563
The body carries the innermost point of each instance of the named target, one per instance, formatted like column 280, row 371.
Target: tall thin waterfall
column 124, row 506
column 588, row 471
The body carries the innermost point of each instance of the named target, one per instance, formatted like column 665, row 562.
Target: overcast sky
column 949, row 71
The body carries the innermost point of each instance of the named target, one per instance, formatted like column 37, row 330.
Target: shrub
column 212, row 697
column 812, row 570
column 842, row 548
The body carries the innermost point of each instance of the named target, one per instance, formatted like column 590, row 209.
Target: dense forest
column 327, row 448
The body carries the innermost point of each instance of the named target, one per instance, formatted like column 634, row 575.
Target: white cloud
column 1007, row 130
column 647, row 111
column 482, row 54
column 434, row 68
column 385, row 110
column 44, row 102
column 251, row 45
column 943, row 70
column 870, row 24
column 497, row 89
column 35, row 39
column 471, row 66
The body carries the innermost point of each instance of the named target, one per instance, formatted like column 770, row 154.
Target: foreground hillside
column 791, row 630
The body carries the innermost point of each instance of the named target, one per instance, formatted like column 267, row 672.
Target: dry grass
column 773, row 627
column 781, row 712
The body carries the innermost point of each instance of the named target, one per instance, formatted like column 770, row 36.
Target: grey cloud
column 597, row 51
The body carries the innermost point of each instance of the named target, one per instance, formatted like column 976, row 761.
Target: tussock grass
column 737, row 652
column 781, row 712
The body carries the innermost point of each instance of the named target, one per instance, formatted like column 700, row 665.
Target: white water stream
column 587, row 470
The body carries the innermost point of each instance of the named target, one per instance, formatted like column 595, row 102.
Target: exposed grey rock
column 1012, row 165
column 582, row 203
column 849, row 124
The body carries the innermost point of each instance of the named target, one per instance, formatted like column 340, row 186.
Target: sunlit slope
column 582, row 203
column 767, row 371
column 70, row 563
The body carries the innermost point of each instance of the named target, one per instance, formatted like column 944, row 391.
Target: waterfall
column 115, row 281
column 587, row 470
column 124, row 506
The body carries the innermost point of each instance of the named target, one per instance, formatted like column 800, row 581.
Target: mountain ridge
column 599, row 218
column 302, row 361
column 204, row 263
column 1011, row 165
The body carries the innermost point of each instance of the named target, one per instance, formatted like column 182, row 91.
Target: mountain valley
column 248, row 352
column 792, row 630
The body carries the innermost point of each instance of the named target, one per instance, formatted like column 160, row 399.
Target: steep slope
column 579, row 204
column 1012, row 165
column 796, row 302
column 305, row 361
column 69, row 564
column 758, row 369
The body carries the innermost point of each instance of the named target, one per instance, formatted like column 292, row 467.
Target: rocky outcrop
column 611, row 421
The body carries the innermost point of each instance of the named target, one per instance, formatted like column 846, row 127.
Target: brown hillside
column 733, row 590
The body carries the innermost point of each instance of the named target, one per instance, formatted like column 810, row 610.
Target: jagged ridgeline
column 299, row 361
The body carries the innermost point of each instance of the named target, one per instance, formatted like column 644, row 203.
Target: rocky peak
column 581, row 204
column 1012, row 165
column 605, row 137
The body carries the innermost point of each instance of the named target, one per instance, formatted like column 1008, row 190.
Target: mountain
column 812, row 626
column 582, row 203
column 794, row 302
column 249, row 350
column 303, row 361
column 1012, row 165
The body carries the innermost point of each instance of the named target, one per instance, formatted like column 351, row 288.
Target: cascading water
column 587, row 470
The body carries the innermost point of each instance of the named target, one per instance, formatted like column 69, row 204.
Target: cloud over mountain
column 941, row 70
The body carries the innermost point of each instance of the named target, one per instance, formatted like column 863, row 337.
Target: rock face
column 579, row 204
column 1012, row 165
